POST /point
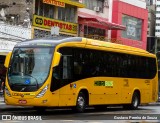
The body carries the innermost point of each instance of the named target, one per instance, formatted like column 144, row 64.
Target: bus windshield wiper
column 37, row 85
column 17, row 84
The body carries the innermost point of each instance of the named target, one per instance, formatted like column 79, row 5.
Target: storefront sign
column 47, row 23
column 94, row 33
column 96, row 37
column 114, row 40
column 54, row 2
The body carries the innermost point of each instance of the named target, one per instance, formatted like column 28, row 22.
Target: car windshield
column 29, row 66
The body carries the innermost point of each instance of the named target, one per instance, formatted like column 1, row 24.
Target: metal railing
column 13, row 32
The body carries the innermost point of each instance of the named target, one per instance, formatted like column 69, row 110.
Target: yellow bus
column 77, row 72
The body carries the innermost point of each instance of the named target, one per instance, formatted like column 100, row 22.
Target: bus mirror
column 57, row 57
column 8, row 56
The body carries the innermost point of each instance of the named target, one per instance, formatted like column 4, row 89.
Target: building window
column 157, row 24
column 67, row 14
column 157, row 30
column 94, row 33
column 91, row 4
column 43, row 9
column 158, row 18
column 133, row 27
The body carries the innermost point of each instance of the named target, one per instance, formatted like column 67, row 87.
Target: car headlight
column 7, row 91
column 42, row 92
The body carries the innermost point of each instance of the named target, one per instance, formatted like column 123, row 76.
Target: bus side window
column 56, row 78
column 62, row 74
column 67, row 67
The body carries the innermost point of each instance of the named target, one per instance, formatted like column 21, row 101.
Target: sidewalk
column 1, row 99
column 156, row 104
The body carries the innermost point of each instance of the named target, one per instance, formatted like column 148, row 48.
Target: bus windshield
column 29, row 67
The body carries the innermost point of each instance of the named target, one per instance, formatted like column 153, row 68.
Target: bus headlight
column 7, row 91
column 42, row 92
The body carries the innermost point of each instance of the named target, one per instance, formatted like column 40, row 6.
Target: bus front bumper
column 27, row 102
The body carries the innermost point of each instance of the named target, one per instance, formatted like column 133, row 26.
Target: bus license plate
column 22, row 101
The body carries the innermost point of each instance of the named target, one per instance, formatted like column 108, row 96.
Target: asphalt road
column 149, row 113
column 64, row 115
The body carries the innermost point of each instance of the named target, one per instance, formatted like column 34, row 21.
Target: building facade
column 150, row 2
column 134, row 16
column 41, row 15
column 61, row 13
column 95, row 20
column 108, row 20
column 16, row 12
column 151, row 28
column 157, row 31
column 14, row 27
column 157, row 28
column 151, row 20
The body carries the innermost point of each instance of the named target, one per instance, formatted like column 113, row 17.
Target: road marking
column 81, row 121
column 67, row 120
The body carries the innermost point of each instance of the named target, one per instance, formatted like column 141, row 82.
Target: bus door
column 62, row 77
column 66, row 91
column 55, row 85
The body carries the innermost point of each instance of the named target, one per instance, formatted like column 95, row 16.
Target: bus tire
column 80, row 103
column 135, row 102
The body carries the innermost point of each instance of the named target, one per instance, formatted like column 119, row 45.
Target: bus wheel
column 81, row 103
column 135, row 102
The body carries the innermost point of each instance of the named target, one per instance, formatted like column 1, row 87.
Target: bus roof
column 53, row 41
column 116, row 46
column 49, row 41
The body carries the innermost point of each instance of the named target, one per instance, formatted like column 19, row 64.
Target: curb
column 152, row 104
column 1, row 99
column 157, row 103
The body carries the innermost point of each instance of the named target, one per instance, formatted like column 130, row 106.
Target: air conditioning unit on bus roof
column 97, row 8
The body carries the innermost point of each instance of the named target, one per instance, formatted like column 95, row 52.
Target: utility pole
column 156, row 45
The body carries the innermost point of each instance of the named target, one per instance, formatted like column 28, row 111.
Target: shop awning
column 102, row 23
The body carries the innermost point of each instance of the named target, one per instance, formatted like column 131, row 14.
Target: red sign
column 54, row 2
column 22, row 101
